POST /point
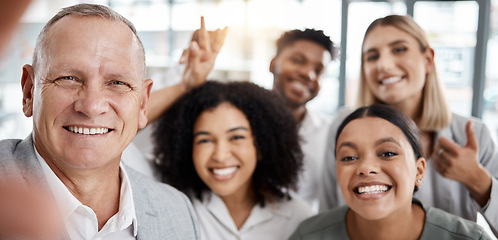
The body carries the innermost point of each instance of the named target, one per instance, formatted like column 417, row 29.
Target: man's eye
column 67, row 82
column 296, row 60
column 388, row 154
column 119, row 86
column 118, row 83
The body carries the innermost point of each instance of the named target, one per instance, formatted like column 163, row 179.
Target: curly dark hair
column 273, row 127
column 316, row 36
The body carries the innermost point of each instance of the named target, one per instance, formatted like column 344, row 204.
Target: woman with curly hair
column 234, row 150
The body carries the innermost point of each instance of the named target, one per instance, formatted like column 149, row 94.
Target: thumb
column 471, row 136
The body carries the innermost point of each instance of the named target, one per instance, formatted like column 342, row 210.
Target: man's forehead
column 308, row 49
column 76, row 35
column 305, row 46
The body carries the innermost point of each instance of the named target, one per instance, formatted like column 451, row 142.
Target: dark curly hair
column 273, row 127
column 316, row 36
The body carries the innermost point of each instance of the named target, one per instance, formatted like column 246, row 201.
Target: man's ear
column 28, row 86
column 272, row 65
column 420, row 165
column 147, row 86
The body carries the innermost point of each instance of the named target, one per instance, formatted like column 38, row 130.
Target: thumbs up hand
column 461, row 164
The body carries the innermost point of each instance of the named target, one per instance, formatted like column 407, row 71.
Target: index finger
column 204, row 41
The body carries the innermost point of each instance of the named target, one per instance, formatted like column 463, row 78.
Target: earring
column 419, row 180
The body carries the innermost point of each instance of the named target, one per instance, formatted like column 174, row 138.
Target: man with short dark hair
column 298, row 70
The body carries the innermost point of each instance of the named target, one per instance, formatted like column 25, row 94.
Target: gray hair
column 80, row 10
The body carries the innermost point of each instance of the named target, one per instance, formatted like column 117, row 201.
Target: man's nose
column 91, row 100
column 308, row 72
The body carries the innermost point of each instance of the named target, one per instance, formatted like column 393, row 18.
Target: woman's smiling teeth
column 87, row 131
column 224, row 171
column 391, row 80
column 372, row 189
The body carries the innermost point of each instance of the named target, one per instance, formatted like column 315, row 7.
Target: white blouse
column 274, row 221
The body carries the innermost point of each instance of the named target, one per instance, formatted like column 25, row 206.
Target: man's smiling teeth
column 87, row 131
column 391, row 80
column 224, row 171
column 372, row 189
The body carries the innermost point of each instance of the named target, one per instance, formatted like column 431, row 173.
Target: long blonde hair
column 435, row 114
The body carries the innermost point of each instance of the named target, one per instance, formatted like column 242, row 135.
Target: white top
column 313, row 132
column 273, row 222
column 81, row 221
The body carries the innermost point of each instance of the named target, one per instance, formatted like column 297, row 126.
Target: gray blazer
column 162, row 211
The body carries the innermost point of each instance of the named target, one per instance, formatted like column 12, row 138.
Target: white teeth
column 224, row 171
column 299, row 86
column 372, row 189
column 391, row 80
column 88, row 131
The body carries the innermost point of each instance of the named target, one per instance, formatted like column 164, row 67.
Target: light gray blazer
column 162, row 211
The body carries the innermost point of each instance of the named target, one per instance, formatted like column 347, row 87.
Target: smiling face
column 376, row 168
column 394, row 66
column 297, row 71
column 89, row 97
column 223, row 151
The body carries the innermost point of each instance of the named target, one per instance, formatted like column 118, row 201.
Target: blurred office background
column 463, row 33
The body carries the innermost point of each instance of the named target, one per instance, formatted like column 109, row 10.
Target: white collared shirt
column 314, row 132
column 81, row 221
column 273, row 222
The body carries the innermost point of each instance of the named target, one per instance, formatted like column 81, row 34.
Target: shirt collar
column 258, row 214
column 310, row 121
column 68, row 204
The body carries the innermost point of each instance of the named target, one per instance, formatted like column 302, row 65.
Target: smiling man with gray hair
column 87, row 93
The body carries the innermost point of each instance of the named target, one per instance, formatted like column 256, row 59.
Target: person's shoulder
column 443, row 225
column 460, row 120
column 318, row 116
column 9, row 145
column 458, row 123
column 16, row 151
column 139, row 180
column 294, row 207
column 332, row 221
column 161, row 209
column 341, row 114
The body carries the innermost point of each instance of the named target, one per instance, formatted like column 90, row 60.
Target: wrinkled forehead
column 75, row 38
